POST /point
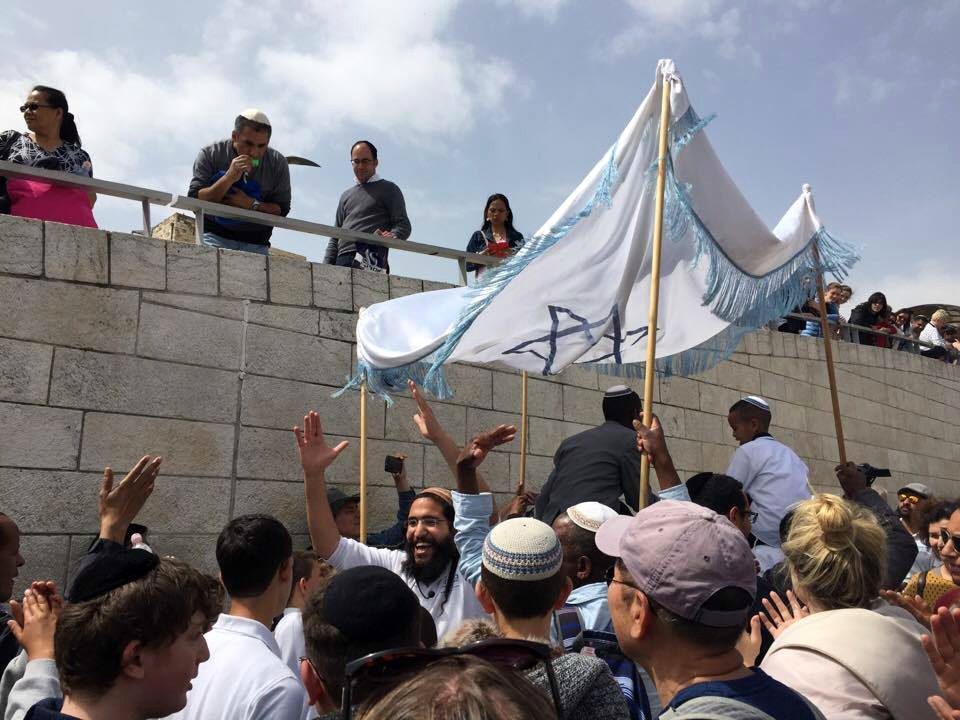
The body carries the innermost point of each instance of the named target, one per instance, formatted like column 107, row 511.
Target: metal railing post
column 462, row 264
column 199, row 215
column 147, row 230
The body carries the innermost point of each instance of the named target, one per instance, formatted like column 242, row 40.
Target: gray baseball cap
column 680, row 554
column 918, row 488
column 336, row 497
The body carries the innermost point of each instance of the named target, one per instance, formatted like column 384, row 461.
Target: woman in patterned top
column 52, row 143
column 933, row 583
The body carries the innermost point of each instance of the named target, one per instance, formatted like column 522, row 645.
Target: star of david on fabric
column 545, row 347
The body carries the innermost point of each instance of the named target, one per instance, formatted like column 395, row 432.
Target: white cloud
column 384, row 67
column 545, row 9
column 711, row 20
column 926, row 281
column 854, row 85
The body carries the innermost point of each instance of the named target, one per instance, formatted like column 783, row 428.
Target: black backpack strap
column 922, row 583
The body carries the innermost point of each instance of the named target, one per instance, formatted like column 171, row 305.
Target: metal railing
column 202, row 207
column 861, row 329
column 147, row 197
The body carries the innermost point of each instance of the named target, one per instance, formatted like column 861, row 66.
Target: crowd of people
column 873, row 322
column 732, row 595
column 242, row 171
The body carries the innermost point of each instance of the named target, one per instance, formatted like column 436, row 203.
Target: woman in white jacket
column 853, row 656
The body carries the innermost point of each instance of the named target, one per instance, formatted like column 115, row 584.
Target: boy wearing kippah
column 772, row 475
column 516, row 568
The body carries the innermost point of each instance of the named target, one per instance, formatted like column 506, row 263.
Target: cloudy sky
column 857, row 97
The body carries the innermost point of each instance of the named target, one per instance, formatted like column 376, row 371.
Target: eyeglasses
column 362, row 161
column 610, row 579
column 946, row 537
column 905, row 496
column 753, row 515
column 34, row 106
column 373, row 676
column 313, row 668
column 428, row 522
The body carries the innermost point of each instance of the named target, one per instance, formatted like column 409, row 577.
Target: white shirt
column 775, row 478
column 931, row 335
column 289, row 635
column 461, row 605
column 244, row 679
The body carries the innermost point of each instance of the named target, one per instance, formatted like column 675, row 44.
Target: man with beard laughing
column 429, row 562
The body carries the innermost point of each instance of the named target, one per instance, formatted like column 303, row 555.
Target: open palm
column 315, row 454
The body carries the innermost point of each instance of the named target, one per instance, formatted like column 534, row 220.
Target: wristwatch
column 256, row 205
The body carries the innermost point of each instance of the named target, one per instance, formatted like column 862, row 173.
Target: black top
column 598, row 464
column 863, row 315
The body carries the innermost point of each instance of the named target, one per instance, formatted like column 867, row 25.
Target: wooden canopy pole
column 828, row 353
column 650, row 369
column 522, row 484
column 363, row 462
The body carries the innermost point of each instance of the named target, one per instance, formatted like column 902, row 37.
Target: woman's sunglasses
column 34, row 106
column 946, row 537
column 373, row 676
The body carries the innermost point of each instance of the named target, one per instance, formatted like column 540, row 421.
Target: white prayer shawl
column 578, row 290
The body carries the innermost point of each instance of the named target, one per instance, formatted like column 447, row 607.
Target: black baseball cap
column 369, row 603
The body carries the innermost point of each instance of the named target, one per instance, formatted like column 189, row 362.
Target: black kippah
column 100, row 573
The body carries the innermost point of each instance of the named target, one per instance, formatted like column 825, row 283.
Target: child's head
column 143, row 639
column 521, row 574
column 748, row 418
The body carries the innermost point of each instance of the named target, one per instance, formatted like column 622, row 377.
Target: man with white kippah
column 599, row 464
column 772, row 475
column 242, row 172
column 517, row 567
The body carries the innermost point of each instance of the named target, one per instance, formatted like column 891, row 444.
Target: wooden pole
column 363, row 462
column 650, row 370
column 828, row 353
column 522, row 484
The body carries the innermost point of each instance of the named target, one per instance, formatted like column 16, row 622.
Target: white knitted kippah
column 590, row 515
column 522, row 549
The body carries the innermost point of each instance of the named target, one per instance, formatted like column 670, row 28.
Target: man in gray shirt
column 372, row 205
column 242, row 172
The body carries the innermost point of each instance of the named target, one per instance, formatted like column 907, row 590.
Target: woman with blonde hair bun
column 839, row 650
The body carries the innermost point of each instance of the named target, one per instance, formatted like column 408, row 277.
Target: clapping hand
column 315, row 455
column 778, row 616
column 913, row 605
column 35, row 619
column 943, row 650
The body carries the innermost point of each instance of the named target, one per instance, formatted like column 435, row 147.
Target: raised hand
column 425, row 420
column 519, row 504
column 650, row 440
column 779, row 616
column 315, row 455
column 476, row 451
column 750, row 641
column 119, row 505
column 35, row 619
column 943, row 650
column 851, row 479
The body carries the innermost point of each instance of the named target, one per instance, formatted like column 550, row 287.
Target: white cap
column 617, row 391
column 590, row 515
column 757, row 401
column 256, row 115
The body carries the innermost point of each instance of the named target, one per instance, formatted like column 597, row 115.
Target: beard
column 443, row 554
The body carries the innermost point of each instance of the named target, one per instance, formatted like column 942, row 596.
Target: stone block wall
column 113, row 346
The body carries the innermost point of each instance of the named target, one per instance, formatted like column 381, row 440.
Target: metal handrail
column 862, row 328
column 202, row 207
column 146, row 196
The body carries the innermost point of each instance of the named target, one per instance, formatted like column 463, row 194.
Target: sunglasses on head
column 946, row 537
column 373, row 676
column 34, row 106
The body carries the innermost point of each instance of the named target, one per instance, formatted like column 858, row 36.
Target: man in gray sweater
column 372, row 205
